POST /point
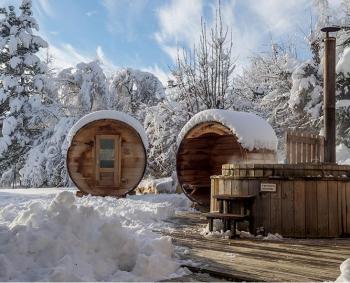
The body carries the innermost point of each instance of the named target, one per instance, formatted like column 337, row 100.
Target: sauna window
column 107, row 153
column 107, row 160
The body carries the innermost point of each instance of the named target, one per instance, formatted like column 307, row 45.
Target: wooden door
column 108, row 160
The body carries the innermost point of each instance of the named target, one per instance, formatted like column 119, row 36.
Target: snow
column 108, row 114
column 165, row 185
column 15, row 61
column 25, row 38
column 218, row 232
column 9, row 125
column 50, row 235
column 12, row 45
column 252, row 131
column 343, row 65
column 343, row 103
column 345, row 272
column 343, row 154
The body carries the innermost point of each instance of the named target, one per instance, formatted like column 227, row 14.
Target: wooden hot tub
column 294, row 200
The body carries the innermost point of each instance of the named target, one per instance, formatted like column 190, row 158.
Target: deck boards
column 257, row 260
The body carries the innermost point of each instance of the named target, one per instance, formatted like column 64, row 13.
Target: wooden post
column 329, row 94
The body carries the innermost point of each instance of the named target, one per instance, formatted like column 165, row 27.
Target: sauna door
column 107, row 160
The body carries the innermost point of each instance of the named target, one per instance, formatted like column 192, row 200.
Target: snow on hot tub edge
column 252, row 131
column 108, row 114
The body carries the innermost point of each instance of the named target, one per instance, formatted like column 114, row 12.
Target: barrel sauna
column 107, row 153
column 215, row 137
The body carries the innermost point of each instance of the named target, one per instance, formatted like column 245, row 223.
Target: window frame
column 117, row 160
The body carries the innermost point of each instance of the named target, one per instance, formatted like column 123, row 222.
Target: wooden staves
column 129, row 159
column 308, row 200
column 304, row 148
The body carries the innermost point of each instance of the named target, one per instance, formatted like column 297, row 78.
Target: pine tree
column 22, row 77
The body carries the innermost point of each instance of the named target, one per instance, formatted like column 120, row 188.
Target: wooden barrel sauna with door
column 215, row 137
column 107, row 153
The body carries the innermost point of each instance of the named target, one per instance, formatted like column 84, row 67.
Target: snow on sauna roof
column 108, row 114
column 251, row 130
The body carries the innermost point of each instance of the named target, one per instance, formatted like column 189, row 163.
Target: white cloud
column 251, row 22
column 279, row 16
column 46, row 7
column 107, row 64
column 159, row 73
column 180, row 21
column 65, row 55
column 125, row 17
column 43, row 8
column 91, row 13
column 180, row 25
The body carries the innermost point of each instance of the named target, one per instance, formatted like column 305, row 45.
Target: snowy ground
column 50, row 235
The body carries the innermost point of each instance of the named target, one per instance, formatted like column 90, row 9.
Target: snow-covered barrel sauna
column 215, row 137
column 107, row 153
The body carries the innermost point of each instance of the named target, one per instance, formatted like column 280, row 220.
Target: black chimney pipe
column 329, row 80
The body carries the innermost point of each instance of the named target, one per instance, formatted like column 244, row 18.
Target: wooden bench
column 229, row 203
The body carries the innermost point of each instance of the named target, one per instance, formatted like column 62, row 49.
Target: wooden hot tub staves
column 308, row 200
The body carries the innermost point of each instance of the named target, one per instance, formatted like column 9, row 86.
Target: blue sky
column 145, row 34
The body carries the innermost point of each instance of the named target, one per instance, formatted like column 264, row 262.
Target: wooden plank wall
column 304, row 148
column 298, row 208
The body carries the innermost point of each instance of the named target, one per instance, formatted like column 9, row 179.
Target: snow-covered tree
column 343, row 98
column 45, row 163
column 343, row 75
column 132, row 91
column 306, row 97
column 22, row 77
column 77, row 92
column 265, row 84
column 83, row 89
column 163, row 124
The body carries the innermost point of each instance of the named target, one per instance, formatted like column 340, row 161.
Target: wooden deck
column 257, row 260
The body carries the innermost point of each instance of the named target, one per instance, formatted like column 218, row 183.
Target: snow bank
column 108, row 114
column 89, row 239
column 251, row 130
column 345, row 272
column 343, row 65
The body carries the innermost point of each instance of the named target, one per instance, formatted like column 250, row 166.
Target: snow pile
column 89, row 239
column 157, row 186
column 218, row 232
column 343, row 65
column 108, row 114
column 269, row 237
column 345, row 272
column 252, row 131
